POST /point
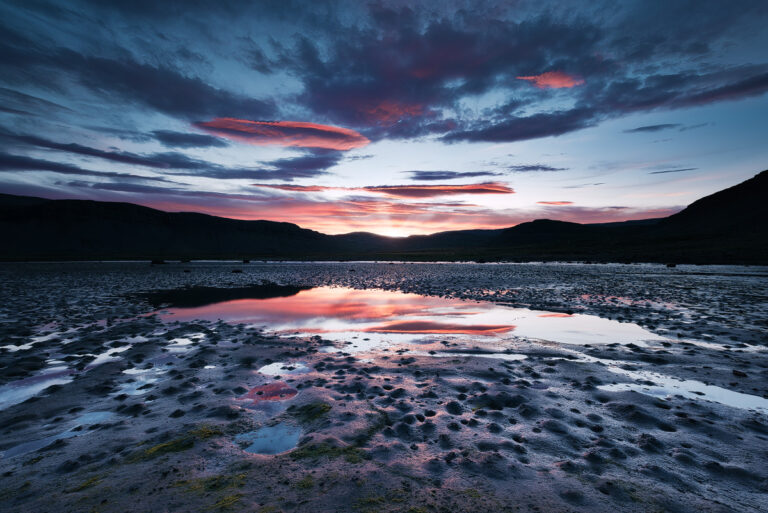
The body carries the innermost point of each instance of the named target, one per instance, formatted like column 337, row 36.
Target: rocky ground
column 105, row 408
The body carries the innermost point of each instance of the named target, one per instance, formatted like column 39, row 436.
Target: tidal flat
column 378, row 387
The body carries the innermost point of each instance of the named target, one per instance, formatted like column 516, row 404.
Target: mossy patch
column 305, row 483
column 213, row 483
column 182, row 443
column 311, row 412
column 376, row 503
column 324, row 450
column 225, row 503
column 92, row 481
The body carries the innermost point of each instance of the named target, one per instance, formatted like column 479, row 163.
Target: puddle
column 83, row 421
column 276, row 391
column 510, row 357
column 141, row 379
column 695, row 390
column 282, row 368
column 270, row 440
column 19, row 391
column 667, row 386
column 362, row 320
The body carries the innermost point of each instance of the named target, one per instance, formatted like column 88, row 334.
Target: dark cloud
column 525, row 168
column 20, row 163
column 159, row 88
column 393, row 71
column 530, row 127
column 121, row 133
column 313, row 163
column 16, row 101
column 673, row 170
column 693, row 127
column 123, row 80
column 175, row 163
column 187, row 140
column 447, row 175
column 652, row 128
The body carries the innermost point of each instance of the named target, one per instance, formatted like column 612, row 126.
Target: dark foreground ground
column 391, row 432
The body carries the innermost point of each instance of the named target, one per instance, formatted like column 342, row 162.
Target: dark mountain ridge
column 730, row 226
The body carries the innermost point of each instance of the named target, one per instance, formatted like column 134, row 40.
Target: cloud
column 525, row 168
column 673, row 170
column 285, row 133
column 428, row 191
column 553, row 80
column 652, row 128
column 555, row 203
column 693, row 127
column 20, row 163
column 530, row 127
column 187, row 140
column 403, row 191
column 447, row 175
column 175, row 163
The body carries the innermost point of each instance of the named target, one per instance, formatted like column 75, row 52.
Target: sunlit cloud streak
column 285, row 133
column 555, row 203
column 553, row 80
column 403, row 191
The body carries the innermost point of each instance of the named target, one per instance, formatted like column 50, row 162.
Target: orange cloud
column 404, row 191
column 553, row 80
column 285, row 133
column 555, row 202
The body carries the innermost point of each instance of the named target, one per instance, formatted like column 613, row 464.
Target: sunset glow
column 385, row 118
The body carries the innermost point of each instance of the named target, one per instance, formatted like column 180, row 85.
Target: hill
column 730, row 226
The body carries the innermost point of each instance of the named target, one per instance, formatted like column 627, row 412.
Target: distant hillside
column 730, row 226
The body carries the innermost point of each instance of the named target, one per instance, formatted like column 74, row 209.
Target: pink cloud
column 553, row 80
column 555, row 203
column 285, row 133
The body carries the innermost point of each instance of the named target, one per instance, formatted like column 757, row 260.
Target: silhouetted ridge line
column 730, row 226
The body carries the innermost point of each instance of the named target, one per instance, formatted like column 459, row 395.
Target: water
column 270, row 440
column 85, row 420
column 365, row 320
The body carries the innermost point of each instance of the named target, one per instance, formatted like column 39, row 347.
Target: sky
column 390, row 117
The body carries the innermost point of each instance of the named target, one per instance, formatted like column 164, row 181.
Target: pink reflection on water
column 329, row 309
column 439, row 327
column 277, row 391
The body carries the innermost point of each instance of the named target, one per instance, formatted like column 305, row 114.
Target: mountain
column 730, row 226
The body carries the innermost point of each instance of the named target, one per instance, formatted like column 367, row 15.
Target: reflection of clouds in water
column 387, row 317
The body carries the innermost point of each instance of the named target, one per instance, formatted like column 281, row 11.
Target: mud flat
column 369, row 387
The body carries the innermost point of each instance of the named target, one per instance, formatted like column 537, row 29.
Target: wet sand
column 111, row 400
